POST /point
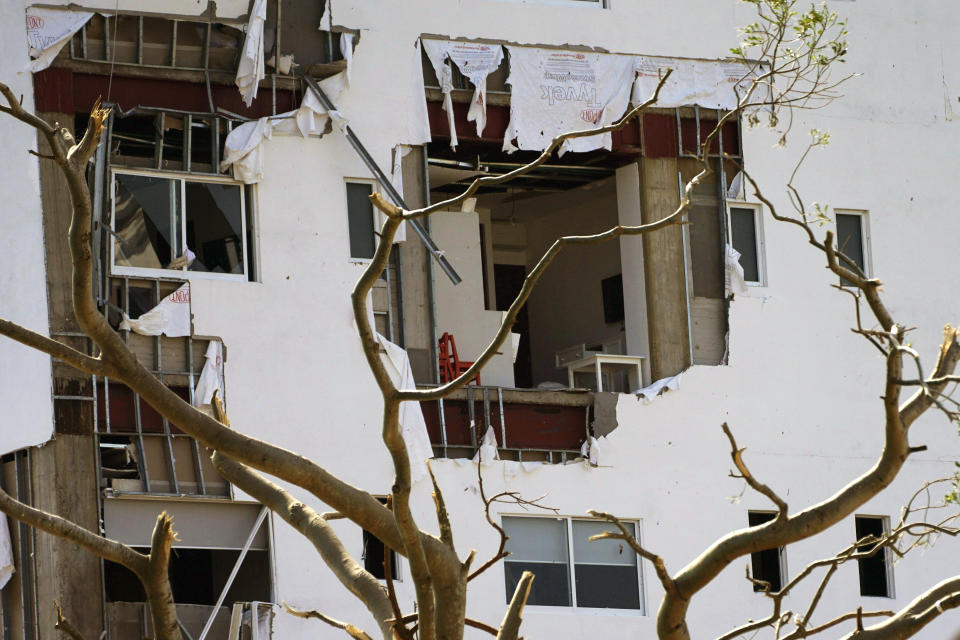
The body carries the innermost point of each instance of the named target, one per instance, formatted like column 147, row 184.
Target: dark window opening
column 873, row 570
column 360, row 220
column 197, row 576
column 850, row 240
column 375, row 558
column 743, row 235
column 766, row 565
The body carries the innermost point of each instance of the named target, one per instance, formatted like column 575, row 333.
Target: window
column 360, row 220
column 766, row 565
column 853, row 239
column 876, row 577
column 163, row 224
column 374, row 557
column 747, row 239
column 603, row 574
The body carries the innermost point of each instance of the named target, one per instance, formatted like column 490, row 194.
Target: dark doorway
column 507, row 281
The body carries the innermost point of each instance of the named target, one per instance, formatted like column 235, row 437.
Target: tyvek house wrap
column 476, row 61
column 555, row 91
column 48, row 30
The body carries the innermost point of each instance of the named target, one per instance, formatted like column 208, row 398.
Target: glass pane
column 360, row 219
column 551, row 586
column 536, row 539
column 743, row 232
column 215, row 227
column 146, row 221
column 850, row 238
column 607, row 586
column 615, row 552
column 873, row 570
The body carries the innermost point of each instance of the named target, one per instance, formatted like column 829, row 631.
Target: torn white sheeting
column 396, row 179
column 439, row 58
column 170, row 317
column 735, row 280
column 250, row 71
column 48, row 30
column 346, row 48
column 735, row 192
column 647, row 394
column 693, row 82
column 211, row 377
column 556, row 91
column 515, row 344
column 6, row 552
column 417, row 121
column 476, row 61
column 412, row 426
column 590, row 451
column 488, row 447
column 243, row 148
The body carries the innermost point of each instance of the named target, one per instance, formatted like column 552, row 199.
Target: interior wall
column 566, row 308
column 460, row 309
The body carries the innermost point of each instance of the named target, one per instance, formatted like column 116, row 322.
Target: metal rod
column 140, row 40
column 486, row 409
column 443, row 427
column 233, row 573
column 187, row 141
column 106, row 38
column 686, row 272
column 503, row 422
column 696, row 115
column 386, row 184
column 470, row 412
column 173, row 42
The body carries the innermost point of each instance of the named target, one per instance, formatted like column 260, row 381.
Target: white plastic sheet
column 488, row 446
column 170, row 317
column 555, row 91
column 346, row 48
column 396, row 179
column 476, row 61
column 417, row 122
column 649, row 393
column 251, row 71
column 437, row 54
column 693, row 82
column 736, row 282
column 6, row 552
column 48, row 30
column 243, row 148
column 412, row 425
column 211, row 377
column 590, row 451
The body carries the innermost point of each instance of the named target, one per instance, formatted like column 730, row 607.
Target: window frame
column 375, row 188
column 864, row 216
column 757, row 209
column 781, row 554
column 184, row 273
column 571, row 568
column 886, row 555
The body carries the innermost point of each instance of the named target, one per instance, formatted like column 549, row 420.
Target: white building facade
column 264, row 214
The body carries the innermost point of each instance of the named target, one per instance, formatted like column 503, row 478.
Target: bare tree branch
column 737, row 455
column 352, row 631
column 510, row 627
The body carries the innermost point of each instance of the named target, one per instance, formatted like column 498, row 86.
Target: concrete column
column 664, row 270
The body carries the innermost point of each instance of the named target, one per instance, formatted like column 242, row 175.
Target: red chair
column 451, row 365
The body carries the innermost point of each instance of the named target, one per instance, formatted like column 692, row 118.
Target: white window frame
column 572, row 570
column 864, row 216
column 758, row 233
column 888, row 560
column 183, row 273
column 377, row 216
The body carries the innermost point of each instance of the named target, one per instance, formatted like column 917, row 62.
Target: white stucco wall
column 800, row 391
column 25, row 384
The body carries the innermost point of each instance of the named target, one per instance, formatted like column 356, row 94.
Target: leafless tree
column 788, row 55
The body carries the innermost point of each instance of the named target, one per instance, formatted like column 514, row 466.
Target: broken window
column 746, row 238
column 766, row 565
column 162, row 223
column 876, row 573
column 570, row 570
column 140, row 451
column 221, row 557
column 852, row 239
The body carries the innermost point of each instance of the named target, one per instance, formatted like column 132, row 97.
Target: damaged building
column 232, row 219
